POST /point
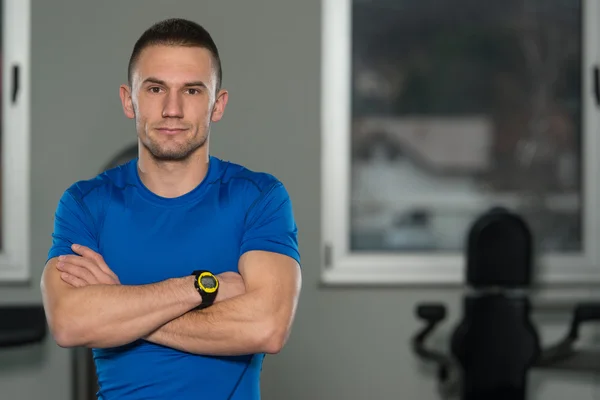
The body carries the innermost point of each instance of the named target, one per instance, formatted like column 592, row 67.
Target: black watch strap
column 207, row 286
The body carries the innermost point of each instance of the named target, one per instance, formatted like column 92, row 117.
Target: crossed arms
column 87, row 306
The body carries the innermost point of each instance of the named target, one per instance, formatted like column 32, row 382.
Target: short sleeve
column 73, row 223
column 270, row 224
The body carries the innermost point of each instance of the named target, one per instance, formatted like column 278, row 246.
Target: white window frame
column 341, row 267
column 16, row 45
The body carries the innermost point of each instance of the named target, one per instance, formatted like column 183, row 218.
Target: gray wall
column 343, row 339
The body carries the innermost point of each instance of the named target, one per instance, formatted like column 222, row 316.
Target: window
column 435, row 111
column 14, row 141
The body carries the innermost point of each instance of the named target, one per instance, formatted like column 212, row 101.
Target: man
column 179, row 269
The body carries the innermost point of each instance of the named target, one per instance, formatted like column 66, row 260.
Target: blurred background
column 476, row 100
column 454, row 106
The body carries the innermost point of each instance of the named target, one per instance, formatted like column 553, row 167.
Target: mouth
column 171, row 131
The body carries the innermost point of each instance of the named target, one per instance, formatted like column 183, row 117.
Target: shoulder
column 251, row 182
column 260, row 194
column 91, row 193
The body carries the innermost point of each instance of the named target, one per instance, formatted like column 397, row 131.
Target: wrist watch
column 207, row 285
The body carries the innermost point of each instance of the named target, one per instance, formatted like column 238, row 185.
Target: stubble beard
column 181, row 152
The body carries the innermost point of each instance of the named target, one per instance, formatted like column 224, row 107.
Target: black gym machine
column 495, row 345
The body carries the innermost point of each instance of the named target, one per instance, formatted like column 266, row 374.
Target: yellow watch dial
column 208, row 282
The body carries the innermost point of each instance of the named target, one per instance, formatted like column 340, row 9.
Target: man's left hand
column 87, row 268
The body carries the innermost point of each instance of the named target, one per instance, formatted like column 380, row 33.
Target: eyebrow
column 161, row 82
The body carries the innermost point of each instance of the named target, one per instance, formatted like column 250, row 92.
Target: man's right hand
column 231, row 284
column 86, row 268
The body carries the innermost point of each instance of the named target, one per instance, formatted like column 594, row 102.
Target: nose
column 173, row 107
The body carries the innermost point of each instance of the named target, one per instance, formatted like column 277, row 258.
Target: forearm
column 114, row 315
column 238, row 326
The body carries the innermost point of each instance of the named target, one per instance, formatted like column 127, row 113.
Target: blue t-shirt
column 145, row 238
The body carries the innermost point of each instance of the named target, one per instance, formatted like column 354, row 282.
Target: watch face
column 208, row 282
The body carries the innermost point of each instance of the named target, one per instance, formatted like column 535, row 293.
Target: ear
column 219, row 106
column 125, row 93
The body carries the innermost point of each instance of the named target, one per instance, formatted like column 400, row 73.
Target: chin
column 172, row 153
column 163, row 153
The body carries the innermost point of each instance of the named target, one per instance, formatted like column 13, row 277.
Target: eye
column 193, row 91
column 154, row 89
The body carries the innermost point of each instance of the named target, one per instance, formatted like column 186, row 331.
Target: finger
column 90, row 254
column 72, row 280
column 86, row 252
column 107, row 272
column 95, row 265
column 78, row 260
column 78, row 272
column 83, row 262
column 91, row 276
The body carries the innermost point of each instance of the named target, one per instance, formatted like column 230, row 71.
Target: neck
column 173, row 178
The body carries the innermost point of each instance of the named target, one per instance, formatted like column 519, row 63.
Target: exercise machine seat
column 496, row 343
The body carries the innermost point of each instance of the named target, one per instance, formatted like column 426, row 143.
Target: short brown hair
column 176, row 32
